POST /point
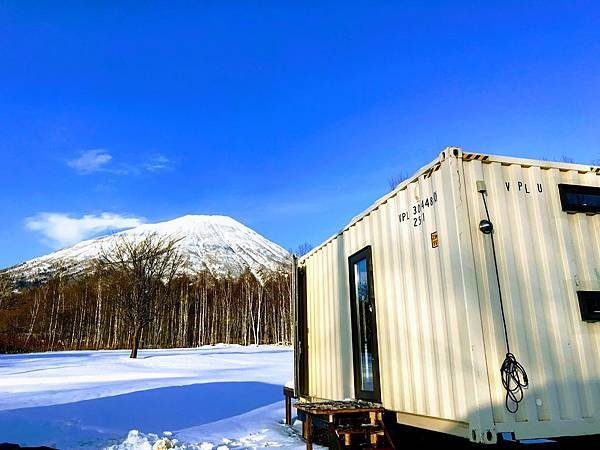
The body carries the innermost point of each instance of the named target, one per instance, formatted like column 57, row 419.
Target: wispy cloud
column 159, row 162
column 99, row 160
column 61, row 230
column 90, row 161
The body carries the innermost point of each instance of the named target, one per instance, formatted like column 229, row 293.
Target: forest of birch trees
column 84, row 313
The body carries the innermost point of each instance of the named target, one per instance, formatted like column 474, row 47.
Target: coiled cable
column 514, row 380
column 514, row 377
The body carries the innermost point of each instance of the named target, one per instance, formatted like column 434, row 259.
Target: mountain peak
column 193, row 218
column 218, row 244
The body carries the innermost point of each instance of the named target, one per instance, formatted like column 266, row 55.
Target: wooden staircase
column 345, row 425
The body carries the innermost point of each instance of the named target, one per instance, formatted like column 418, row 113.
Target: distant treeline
column 87, row 313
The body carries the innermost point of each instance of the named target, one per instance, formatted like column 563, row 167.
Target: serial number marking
column 416, row 212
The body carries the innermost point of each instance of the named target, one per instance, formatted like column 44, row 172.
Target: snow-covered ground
column 202, row 398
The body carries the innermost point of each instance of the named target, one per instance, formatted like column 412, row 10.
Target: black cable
column 513, row 374
column 514, row 377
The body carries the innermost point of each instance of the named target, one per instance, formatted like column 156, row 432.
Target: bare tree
column 395, row 181
column 303, row 249
column 143, row 271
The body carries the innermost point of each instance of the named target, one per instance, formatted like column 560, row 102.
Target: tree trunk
column 135, row 341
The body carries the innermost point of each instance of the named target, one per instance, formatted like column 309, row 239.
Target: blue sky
column 291, row 118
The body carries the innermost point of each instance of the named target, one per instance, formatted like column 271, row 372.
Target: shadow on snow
column 154, row 410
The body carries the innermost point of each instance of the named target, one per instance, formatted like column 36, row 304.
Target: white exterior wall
column 439, row 326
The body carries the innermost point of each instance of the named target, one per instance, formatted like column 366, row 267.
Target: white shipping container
column 404, row 307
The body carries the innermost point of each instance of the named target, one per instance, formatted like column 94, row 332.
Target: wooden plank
column 334, row 411
column 330, row 408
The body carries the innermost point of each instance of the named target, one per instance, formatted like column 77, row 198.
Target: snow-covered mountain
column 218, row 244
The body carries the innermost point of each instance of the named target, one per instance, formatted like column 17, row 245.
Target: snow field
column 204, row 398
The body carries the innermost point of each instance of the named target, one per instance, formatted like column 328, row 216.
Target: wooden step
column 370, row 447
column 359, row 429
column 377, row 448
column 347, row 424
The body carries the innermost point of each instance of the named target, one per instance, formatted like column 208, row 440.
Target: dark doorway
column 301, row 333
column 364, row 326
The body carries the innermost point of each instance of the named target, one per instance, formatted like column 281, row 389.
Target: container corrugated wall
column 545, row 256
column 424, row 342
column 329, row 338
column 427, row 369
column 439, row 326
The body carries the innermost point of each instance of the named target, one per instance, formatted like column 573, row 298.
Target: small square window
column 576, row 198
column 589, row 305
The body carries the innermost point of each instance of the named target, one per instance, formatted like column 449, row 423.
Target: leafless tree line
column 138, row 296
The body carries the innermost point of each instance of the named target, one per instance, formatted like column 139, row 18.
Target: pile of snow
column 210, row 398
column 218, row 244
column 137, row 441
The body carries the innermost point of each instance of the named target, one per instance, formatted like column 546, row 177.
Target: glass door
column 364, row 327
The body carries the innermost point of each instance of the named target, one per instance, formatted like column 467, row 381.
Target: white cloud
column 90, row 161
column 157, row 163
column 102, row 161
column 61, row 230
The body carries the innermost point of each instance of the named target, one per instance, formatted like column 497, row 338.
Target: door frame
column 301, row 332
column 375, row 395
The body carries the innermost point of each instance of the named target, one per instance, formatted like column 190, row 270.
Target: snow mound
column 139, row 441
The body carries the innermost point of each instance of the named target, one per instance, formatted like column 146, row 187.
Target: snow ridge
column 218, row 244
